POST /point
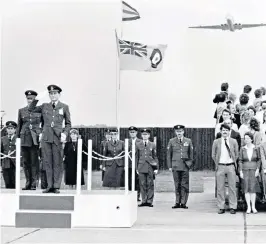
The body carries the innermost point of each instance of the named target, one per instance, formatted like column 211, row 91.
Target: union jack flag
column 133, row 48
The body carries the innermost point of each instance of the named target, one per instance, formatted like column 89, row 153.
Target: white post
column 89, row 166
column 18, row 149
column 133, row 166
column 155, row 141
column 79, row 167
column 126, row 166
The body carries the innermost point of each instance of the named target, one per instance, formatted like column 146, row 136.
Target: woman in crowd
column 114, row 169
column 249, row 166
column 255, row 131
column 252, row 111
column 243, row 104
column 245, row 126
column 258, row 99
column 70, row 160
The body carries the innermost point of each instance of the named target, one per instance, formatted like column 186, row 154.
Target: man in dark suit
column 179, row 161
column 53, row 136
column 133, row 139
column 232, row 134
column 8, row 145
column 147, row 166
column 29, row 121
column 103, row 143
column 225, row 153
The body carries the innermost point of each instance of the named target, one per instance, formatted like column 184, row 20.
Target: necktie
column 115, row 142
column 53, row 105
column 145, row 143
column 227, row 147
column 9, row 137
column 180, row 141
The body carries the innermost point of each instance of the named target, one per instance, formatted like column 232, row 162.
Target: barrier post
column 18, row 149
column 126, row 166
column 89, row 166
column 133, row 166
column 155, row 141
column 79, row 166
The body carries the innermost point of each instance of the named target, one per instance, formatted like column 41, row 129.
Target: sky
column 72, row 44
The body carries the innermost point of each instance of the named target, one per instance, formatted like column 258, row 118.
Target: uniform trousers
column 181, row 179
column 221, row 173
column 53, row 164
column 136, row 181
column 146, row 184
column 9, row 176
column 30, row 164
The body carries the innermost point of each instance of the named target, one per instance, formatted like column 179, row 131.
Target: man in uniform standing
column 8, row 145
column 103, row 143
column 53, row 136
column 133, row 139
column 179, row 160
column 29, row 121
column 147, row 166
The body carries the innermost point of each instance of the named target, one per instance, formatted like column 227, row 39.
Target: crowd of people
column 240, row 145
column 49, row 150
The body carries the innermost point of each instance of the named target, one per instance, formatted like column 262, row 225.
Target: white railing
column 18, row 156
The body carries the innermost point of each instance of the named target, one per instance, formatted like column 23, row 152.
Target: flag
column 141, row 57
column 129, row 13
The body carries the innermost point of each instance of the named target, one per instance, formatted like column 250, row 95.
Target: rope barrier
column 7, row 155
column 105, row 159
column 105, row 156
column 3, row 128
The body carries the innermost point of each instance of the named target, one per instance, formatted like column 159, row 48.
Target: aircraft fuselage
column 230, row 23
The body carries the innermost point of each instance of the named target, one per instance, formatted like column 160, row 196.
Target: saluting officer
column 179, row 160
column 53, row 136
column 8, row 145
column 147, row 166
column 103, row 143
column 114, row 169
column 29, row 121
column 133, row 131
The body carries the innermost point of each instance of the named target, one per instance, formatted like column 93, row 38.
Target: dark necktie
column 10, row 139
column 227, row 147
column 115, row 142
column 145, row 143
column 180, row 141
column 53, row 105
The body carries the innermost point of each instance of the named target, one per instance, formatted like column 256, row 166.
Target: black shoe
column 143, row 205
column 183, row 206
column 56, row 191
column 26, row 188
column 33, row 188
column 221, row 211
column 149, row 205
column 177, row 205
column 139, row 200
column 47, row 190
column 232, row 211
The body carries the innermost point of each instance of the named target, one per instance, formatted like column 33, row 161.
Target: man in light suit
column 147, row 166
column 133, row 139
column 179, row 161
column 53, row 136
column 233, row 134
column 225, row 153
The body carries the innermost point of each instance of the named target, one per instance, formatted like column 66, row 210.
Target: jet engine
column 224, row 27
column 238, row 26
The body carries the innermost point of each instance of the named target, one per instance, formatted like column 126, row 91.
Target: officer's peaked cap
column 51, row 88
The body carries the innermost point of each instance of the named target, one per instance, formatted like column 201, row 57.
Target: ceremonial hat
column 133, row 128
column 107, row 130
column 11, row 124
column 30, row 93
column 74, row 131
column 113, row 130
column 145, row 130
column 178, row 127
column 52, row 88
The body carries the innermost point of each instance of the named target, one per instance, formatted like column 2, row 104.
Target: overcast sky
column 72, row 44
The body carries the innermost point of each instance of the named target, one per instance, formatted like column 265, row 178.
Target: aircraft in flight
column 229, row 25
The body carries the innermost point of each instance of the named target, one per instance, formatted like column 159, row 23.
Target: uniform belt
column 227, row 164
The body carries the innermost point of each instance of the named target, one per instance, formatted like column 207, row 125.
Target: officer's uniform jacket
column 137, row 140
column 52, row 121
column 178, row 153
column 146, row 157
column 28, row 129
column 7, row 147
column 111, row 150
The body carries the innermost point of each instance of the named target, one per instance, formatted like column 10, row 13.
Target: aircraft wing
column 252, row 25
column 215, row 27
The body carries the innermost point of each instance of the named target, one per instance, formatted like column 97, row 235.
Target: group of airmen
column 44, row 129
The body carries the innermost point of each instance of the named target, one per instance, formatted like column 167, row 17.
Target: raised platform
column 104, row 208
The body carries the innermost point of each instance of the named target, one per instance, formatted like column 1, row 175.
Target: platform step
column 46, row 202
column 43, row 219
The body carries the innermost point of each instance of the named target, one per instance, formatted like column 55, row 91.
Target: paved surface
column 161, row 224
